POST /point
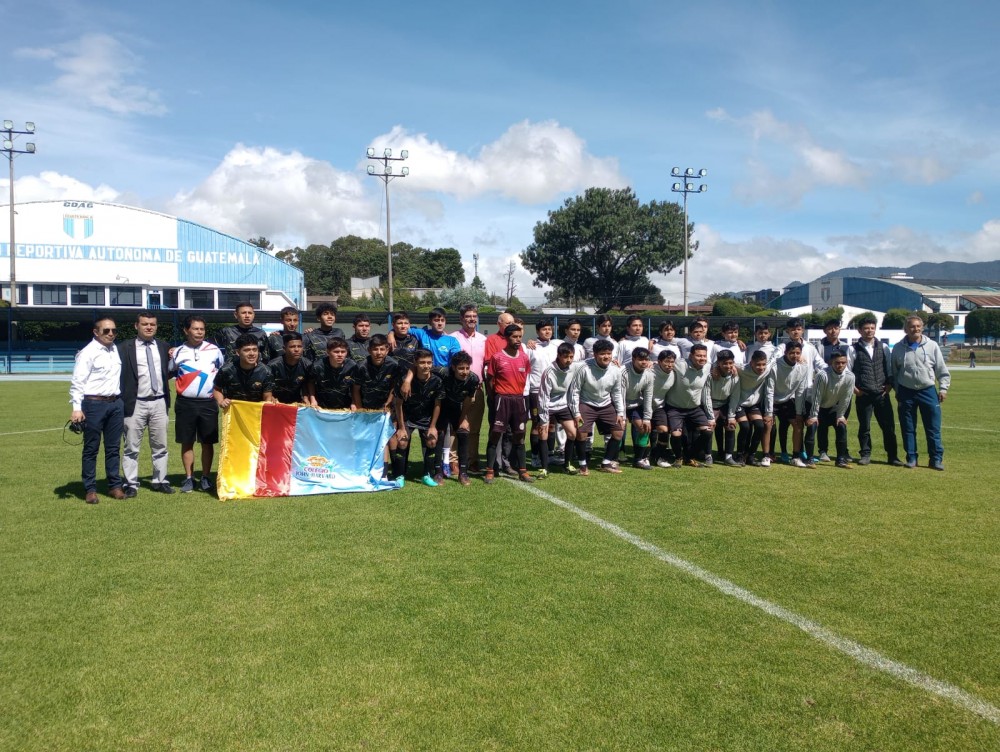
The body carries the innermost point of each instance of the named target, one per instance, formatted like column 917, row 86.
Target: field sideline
column 496, row 618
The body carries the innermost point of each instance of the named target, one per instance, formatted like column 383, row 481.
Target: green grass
column 488, row 618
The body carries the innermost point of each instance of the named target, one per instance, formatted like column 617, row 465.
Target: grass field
column 493, row 618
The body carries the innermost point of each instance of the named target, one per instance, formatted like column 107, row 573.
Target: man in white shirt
column 95, row 393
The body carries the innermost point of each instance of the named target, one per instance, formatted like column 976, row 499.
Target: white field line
column 37, row 430
column 963, row 428
column 858, row 652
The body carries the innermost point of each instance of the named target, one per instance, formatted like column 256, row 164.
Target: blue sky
column 834, row 135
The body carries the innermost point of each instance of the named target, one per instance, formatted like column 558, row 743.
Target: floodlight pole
column 692, row 184
column 10, row 134
column 386, row 177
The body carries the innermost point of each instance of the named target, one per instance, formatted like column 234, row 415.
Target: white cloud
column 49, row 186
column 100, row 71
column 531, row 163
column 803, row 165
column 285, row 196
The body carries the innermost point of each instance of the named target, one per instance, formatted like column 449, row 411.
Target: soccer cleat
column 765, row 462
column 843, row 464
column 438, row 478
column 401, row 481
column 536, row 462
column 571, row 470
column 897, row 463
column 429, row 481
column 524, row 476
column 584, row 471
column 733, row 462
column 643, row 464
column 786, row 458
column 678, row 464
column 488, row 477
column 188, row 485
column 708, row 460
column 542, row 474
column 611, row 467
column 823, row 457
column 464, row 479
column 694, row 463
column 665, row 464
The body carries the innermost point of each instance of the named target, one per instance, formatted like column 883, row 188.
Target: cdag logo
column 78, row 226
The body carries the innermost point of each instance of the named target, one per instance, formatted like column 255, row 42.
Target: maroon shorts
column 605, row 417
column 510, row 412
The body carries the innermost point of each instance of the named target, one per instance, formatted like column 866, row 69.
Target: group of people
column 674, row 395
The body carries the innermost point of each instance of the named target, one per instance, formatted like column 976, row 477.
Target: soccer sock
column 462, row 445
column 782, row 437
column 430, row 455
column 677, row 446
column 756, row 436
column 611, row 450
column 551, row 442
column 634, row 432
column 581, row 451
column 705, row 441
column 438, row 454
column 399, row 462
column 536, row 450
column 519, row 457
column 809, row 443
column 543, row 454
column 743, row 438
column 730, row 443
column 491, row 453
column 570, row 452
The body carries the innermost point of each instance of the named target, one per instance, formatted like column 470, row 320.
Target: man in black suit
column 146, row 395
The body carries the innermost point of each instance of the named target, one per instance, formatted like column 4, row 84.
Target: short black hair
column 603, row 345
column 335, row 343
column 511, row 329
column 378, row 340
column 421, row 354
column 866, row 318
column 435, row 312
column 795, row 322
column 758, row 355
column 460, row 358
column 565, row 349
column 188, row 320
column 730, row 326
column 399, row 316
column 244, row 304
column 288, row 311
column 244, row 340
column 290, row 337
column 725, row 355
column 542, row 323
column 698, row 348
column 360, row 318
column 665, row 354
column 838, row 352
column 831, row 322
column 640, row 353
column 145, row 314
column 325, row 308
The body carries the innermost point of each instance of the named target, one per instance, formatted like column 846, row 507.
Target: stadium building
column 878, row 295
column 90, row 254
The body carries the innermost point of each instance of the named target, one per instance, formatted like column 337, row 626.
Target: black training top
column 239, row 384
column 289, row 380
column 418, row 409
column 377, row 382
column 334, row 387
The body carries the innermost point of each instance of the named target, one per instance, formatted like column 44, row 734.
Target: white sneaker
column 643, row 465
column 824, row 457
column 765, row 461
column 798, row 462
column 664, row 464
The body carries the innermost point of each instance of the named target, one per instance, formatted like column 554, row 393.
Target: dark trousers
column 881, row 406
column 103, row 419
column 827, row 418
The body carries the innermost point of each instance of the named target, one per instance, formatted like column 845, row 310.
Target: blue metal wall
column 209, row 257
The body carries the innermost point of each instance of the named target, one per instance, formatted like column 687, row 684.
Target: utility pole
column 10, row 135
column 688, row 186
column 386, row 177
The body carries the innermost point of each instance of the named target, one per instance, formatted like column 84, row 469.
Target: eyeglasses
column 109, row 331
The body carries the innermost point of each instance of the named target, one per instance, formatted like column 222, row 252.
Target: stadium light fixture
column 691, row 184
column 10, row 150
column 386, row 176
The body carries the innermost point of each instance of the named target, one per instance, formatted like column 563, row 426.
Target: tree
column 442, row 268
column 456, row 297
column 983, row 323
column 816, row 319
column 895, row 318
column 854, row 323
column 262, row 242
column 511, row 283
column 478, row 283
column 604, row 245
column 941, row 322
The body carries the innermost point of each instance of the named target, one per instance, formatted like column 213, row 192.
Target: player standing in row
column 723, row 383
column 357, row 343
column 226, row 338
column 542, row 354
column 289, row 324
column 633, row 338
column 668, row 340
column 246, row 378
column 290, row 370
column 602, row 334
column 418, row 411
column 785, row 401
column 553, row 407
column 596, row 397
column 689, row 408
column 460, row 391
column 507, row 376
column 831, row 400
column 637, row 381
column 316, row 340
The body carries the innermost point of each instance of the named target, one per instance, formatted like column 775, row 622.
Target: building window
column 126, row 296
column 50, row 294
column 86, row 295
column 199, row 299
column 229, row 299
column 170, row 298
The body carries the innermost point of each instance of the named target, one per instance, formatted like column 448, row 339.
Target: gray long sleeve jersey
column 597, row 387
column 918, row 367
column 691, row 387
column 810, row 357
column 662, row 381
column 786, row 383
column 751, row 389
column 638, row 389
column 722, row 389
column 553, row 390
column 832, row 390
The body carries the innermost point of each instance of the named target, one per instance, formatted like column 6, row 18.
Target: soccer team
column 675, row 395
